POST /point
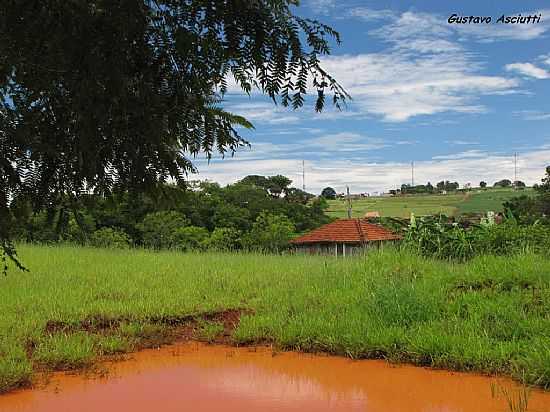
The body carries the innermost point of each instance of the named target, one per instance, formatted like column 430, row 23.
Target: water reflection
column 195, row 377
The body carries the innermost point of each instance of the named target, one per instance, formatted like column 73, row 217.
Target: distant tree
column 255, row 180
column 158, row 229
column 447, row 186
column 519, row 184
column 295, row 195
column 319, row 205
column 223, row 239
column 229, row 215
column 270, row 233
column 190, row 238
column 451, row 186
column 278, row 185
column 328, row 193
column 503, row 183
column 483, row 184
column 544, row 187
column 543, row 191
column 531, row 209
column 526, row 209
column 108, row 237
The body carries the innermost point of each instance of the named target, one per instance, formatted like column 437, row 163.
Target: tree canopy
column 328, row 193
column 99, row 96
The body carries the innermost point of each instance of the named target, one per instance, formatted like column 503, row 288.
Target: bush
column 509, row 238
column 79, row 228
column 158, row 230
column 436, row 238
column 190, row 238
column 108, row 237
column 270, row 233
column 224, row 239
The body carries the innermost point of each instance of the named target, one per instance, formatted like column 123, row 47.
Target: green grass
column 492, row 199
column 491, row 314
column 450, row 204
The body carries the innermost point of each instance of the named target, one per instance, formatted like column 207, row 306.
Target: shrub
column 190, row 238
column 509, row 238
column 108, row 237
column 224, row 238
column 158, row 230
column 270, row 233
column 80, row 227
column 436, row 238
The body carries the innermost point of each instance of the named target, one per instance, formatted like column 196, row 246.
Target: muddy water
column 195, row 377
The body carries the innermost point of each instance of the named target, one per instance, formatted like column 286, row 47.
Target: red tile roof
column 347, row 231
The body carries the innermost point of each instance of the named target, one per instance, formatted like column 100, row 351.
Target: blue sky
column 458, row 100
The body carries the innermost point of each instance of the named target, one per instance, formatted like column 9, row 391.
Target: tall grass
column 491, row 314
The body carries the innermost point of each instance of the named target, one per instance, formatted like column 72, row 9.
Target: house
column 344, row 237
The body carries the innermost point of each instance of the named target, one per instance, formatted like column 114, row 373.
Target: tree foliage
column 503, row 183
column 437, row 237
column 104, row 96
column 201, row 216
column 529, row 209
column 270, row 233
column 328, row 193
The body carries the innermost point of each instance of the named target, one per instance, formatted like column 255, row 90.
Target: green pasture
column 491, row 314
column 475, row 201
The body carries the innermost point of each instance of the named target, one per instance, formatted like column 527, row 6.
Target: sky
column 458, row 100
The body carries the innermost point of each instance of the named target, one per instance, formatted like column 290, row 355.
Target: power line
column 303, row 175
column 412, row 173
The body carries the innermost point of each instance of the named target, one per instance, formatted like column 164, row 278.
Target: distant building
column 344, row 237
column 374, row 213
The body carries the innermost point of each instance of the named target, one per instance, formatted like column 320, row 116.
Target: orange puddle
column 197, row 377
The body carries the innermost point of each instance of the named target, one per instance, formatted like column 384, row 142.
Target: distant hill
column 475, row 201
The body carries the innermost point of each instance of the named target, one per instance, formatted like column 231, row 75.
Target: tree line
column 258, row 212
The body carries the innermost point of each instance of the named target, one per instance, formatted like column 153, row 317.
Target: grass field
column 491, row 314
column 450, row 205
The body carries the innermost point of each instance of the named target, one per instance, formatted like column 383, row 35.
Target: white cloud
column 421, row 32
column 528, row 69
column 428, row 25
column 368, row 14
column 265, row 112
column 426, row 70
column 344, row 142
column 459, row 142
column 500, row 32
column 322, row 6
column 398, row 86
column 462, row 155
column 330, row 145
column 363, row 175
column 533, row 115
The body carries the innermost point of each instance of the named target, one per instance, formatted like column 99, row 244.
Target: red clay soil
column 197, row 377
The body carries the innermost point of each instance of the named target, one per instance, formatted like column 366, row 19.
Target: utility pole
column 412, row 173
column 349, row 203
column 515, row 170
column 303, row 175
